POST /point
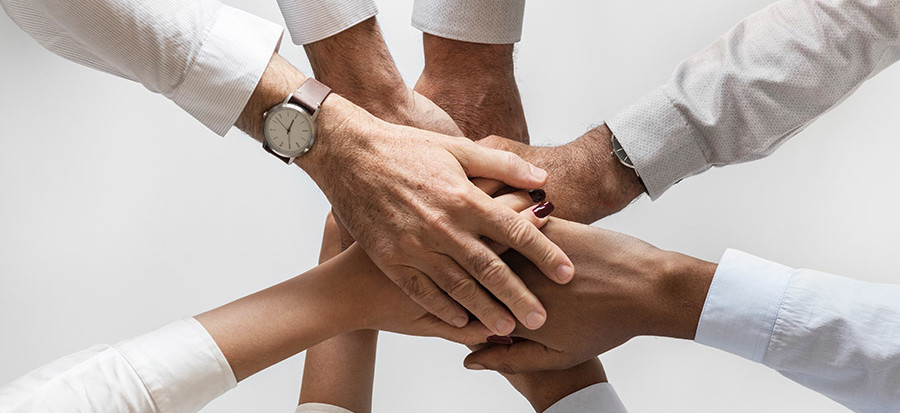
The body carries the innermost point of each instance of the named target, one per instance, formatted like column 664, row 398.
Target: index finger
column 506, row 227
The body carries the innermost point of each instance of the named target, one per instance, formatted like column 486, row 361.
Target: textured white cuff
column 311, row 21
column 476, row 21
column 743, row 304
column 599, row 398
column 320, row 408
column 235, row 53
column 181, row 366
column 663, row 146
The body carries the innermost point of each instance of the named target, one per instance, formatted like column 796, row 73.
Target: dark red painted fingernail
column 543, row 209
column 500, row 340
column 537, row 195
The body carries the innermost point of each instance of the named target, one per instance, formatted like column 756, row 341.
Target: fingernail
column 500, row 340
column 543, row 209
column 538, row 172
column 504, row 326
column 460, row 321
column 474, row 366
column 565, row 272
column 535, row 320
column 537, row 195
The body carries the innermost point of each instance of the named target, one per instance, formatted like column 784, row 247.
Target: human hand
column 546, row 387
column 476, row 84
column 408, row 201
column 624, row 288
column 376, row 303
column 587, row 182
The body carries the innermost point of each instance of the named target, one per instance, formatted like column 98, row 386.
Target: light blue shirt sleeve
column 835, row 335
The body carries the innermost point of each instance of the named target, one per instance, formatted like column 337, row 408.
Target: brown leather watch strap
column 310, row 95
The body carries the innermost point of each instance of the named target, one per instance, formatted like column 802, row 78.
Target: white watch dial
column 288, row 130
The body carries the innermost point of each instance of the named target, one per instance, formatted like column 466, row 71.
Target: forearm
column 262, row 329
column 832, row 334
column 756, row 86
column 341, row 370
column 475, row 84
column 207, row 61
column 357, row 64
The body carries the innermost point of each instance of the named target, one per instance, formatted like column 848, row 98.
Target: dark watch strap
column 269, row 150
column 310, row 95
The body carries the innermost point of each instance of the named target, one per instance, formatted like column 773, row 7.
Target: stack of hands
column 435, row 196
column 441, row 210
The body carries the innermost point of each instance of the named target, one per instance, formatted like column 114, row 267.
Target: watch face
column 289, row 130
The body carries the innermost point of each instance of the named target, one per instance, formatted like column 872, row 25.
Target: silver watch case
column 293, row 107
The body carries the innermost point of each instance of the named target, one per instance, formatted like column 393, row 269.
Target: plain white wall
column 120, row 213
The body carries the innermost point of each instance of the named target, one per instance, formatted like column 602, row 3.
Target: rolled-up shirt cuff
column 320, row 408
column 664, row 148
column 311, row 21
column 742, row 305
column 180, row 365
column 236, row 51
column 599, row 398
column 475, row 21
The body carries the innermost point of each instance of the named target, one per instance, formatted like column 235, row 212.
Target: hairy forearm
column 476, row 85
column 357, row 64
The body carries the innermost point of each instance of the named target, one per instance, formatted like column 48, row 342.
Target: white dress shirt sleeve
column 201, row 54
column 320, row 408
column 835, row 335
column 476, row 21
column 596, row 398
column 309, row 21
column 758, row 85
column 176, row 369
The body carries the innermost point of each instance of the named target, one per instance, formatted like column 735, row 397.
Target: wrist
column 356, row 64
column 613, row 185
column 443, row 57
column 341, row 128
column 681, row 285
column 544, row 388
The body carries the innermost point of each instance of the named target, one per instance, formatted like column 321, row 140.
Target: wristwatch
column 619, row 153
column 290, row 127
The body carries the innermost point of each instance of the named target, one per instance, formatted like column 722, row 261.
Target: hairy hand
column 382, row 305
column 408, row 200
column 587, row 182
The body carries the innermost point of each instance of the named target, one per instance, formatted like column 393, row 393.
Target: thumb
column 506, row 167
column 519, row 357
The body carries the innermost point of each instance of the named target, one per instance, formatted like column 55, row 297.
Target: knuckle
column 464, row 289
column 506, row 368
column 521, row 233
column 413, row 286
column 492, row 274
column 439, row 221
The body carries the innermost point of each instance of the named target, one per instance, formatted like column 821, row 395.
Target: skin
column 347, row 293
column 425, row 226
column 356, row 64
column 625, row 287
column 587, row 181
column 475, row 84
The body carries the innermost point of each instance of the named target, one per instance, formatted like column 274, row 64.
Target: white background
column 120, row 213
